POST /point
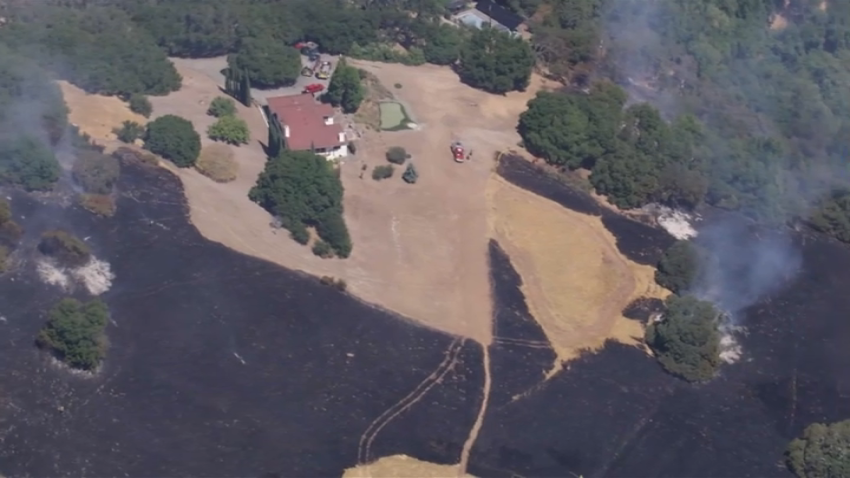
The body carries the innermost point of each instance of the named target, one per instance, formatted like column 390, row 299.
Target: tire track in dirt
column 448, row 363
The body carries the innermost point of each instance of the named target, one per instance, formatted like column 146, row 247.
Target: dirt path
column 479, row 420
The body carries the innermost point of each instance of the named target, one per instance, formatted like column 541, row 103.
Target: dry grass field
column 216, row 162
column 95, row 114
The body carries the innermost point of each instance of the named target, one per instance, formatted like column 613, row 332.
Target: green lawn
column 393, row 116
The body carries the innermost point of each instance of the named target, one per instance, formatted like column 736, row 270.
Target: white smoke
column 677, row 223
column 96, row 275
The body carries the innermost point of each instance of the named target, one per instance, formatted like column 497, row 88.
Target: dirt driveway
column 419, row 250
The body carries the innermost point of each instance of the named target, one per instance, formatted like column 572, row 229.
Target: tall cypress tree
column 246, row 88
column 228, row 81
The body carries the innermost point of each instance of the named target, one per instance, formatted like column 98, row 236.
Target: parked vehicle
column 314, row 88
column 306, row 71
column 324, row 71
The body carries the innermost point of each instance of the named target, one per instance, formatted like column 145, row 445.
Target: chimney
column 329, row 120
column 285, row 131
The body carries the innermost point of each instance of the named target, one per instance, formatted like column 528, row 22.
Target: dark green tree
column 345, row 89
column 687, row 341
column 267, row 63
column 140, row 104
column 302, row 189
column 27, row 162
column 822, row 452
column 677, row 268
column 221, row 106
column 129, row 131
column 75, row 333
column 443, row 45
column 276, row 139
column 245, row 88
column 174, row 138
column 494, row 61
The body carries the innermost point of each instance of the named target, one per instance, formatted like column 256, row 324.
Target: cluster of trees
column 237, row 84
column 496, row 62
column 821, row 452
column 686, row 340
column 303, row 190
column 345, row 88
column 75, row 333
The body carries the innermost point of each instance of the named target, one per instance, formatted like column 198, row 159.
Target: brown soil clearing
column 97, row 115
column 575, row 280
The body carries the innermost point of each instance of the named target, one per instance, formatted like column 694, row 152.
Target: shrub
column 822, row 451
column 99, row 204
column 322, row 249
column 10, row 231
column 174, row 138
column 678, row 267
column 336, row 283
column 95, row 172
column 141, row 105
column 397, row 155
column 222, row 106
column 75, row 333
column 410, row 175
column 217, row 163
column 686, row 341
column 27, row 162
column 352, row 147
column 382, row 172
column 397, row 86
column 4, row 256
column 229, row 129
column 67, row 249
column 129, row 131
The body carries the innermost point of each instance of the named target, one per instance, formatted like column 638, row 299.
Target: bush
column 382, row 172
column 67, row 249
column 322, row 249
column 229, row 129
column 95, row 172
column 174, row 138
column 410, row 175
column 686, row 341
column 677, row 268
column 99, row 204
column 822, row 451
column 75, row 333
column 352, row 147
column 336, row 283
column 129, row 131
column 222, row 106
column 10, row 231
column 217, row 163
column 4, row 256
column 140, row 104
column 397, row 155
column 27, row 162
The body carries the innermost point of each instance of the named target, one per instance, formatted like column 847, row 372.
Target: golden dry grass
column 216, row 162
column 403, row 466
column 97, row 115
column 575, row 280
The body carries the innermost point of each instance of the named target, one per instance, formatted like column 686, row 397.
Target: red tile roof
column 306, row 120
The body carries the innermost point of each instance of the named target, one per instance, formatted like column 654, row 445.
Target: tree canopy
column 345, row 89
column 496, row 62
column 686, row 340
column 302, row 189
column 75, row 333
column 269, row 63
column 822, row 452
column 677, row 268
column 174, row 138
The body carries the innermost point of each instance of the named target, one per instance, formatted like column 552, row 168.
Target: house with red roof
column 308, row 125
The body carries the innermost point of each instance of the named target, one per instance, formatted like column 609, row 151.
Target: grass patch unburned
column 217, row 163
column 99, row 204
column 369, row 113
column 393, row 116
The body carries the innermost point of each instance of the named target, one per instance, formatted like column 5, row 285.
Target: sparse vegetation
column 410, row 175
column 140, row 104
column 322, row 249
column 822, row 452
column 383, row 171
column 129, row 132
column 99, row 204
column 302, row 189
column 95, row 172
column 334, row 282
column 174, row 138
column 222, row 106
column 65, row 248
column 75, row 333
column 217, row 163
column 10, row 231
column 677, row 268
column 229, row 129
column 397, row 155
column 687, row 341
